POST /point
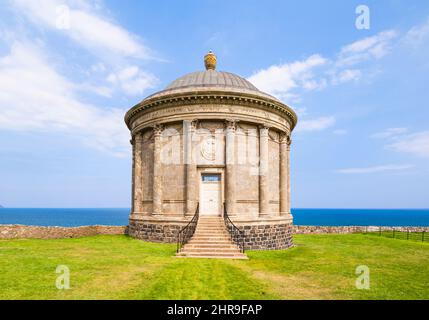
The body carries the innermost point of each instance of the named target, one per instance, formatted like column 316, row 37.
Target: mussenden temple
column 211, row 166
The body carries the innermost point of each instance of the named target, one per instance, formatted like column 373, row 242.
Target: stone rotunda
column 213, row 150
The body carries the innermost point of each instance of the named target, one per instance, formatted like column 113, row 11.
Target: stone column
column 288, row 143
column 189, row 128
column 137, row 173
column 284, row 174
column 133, row 156
column 157, row 171
column 263, row 171
column 230, row 167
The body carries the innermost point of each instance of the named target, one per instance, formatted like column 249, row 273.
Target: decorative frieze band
column 191, row 99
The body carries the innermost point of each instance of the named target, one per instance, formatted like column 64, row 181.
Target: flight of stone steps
column 211, row 240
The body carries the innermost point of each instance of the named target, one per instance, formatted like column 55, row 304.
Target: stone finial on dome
column 210, row 61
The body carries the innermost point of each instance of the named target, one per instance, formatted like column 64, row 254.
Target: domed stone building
column 211, row 147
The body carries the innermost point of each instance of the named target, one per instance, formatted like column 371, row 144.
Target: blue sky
column 70, row 69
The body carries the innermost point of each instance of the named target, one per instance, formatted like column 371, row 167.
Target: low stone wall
column 257, row 237
column 351, row 229
column 38, row 232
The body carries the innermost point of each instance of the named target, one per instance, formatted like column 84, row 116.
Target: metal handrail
column 187, row 231
column 237, row 235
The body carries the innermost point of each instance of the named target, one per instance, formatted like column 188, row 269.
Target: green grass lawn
column 119, row 267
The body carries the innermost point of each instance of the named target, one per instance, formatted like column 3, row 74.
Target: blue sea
column 119, row 216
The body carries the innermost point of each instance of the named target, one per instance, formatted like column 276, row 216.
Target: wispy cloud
column 400, row 140
column 35, row 97
column 374, row 47
column 279, row 80
column 389, row 133
column 35, row 94
column 88, row 26
column 417, row 35
column 133, row 80
column 317, row 72
column 376, row 169
column 316, row 124
column 416, row 144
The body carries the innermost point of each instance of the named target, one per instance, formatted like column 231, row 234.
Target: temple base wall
column 259, row 235
column 267, row 236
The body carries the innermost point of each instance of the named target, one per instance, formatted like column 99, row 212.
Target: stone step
column 211, row 240
column 210, row 251
column 213, row 255
column 216, row 232
column 207, row 237
column 223, row 241
column 207, row 247
column 211, row 233
column 212, row 222
column 237, row 257
column 210, row 246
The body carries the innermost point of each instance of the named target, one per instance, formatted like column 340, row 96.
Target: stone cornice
column 215, row 97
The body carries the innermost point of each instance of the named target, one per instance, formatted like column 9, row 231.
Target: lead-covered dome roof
column 213, row 84
column 211, row 78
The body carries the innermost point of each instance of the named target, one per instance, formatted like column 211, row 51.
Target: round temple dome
column 212, row 84
column 211, row 78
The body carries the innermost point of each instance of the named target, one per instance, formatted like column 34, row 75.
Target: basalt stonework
column 267, row 236
column 154, row 232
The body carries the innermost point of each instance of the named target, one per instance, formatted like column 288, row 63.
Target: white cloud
column 374, row 47
column 115, row 49
column 317, row 124
column 389, row 133
column 280, row 79
column 86, row 27
column 346, row 76
column 34, row 97
column 133, row 80
column 318, row 72
column 375, row 169
column 418, row 34
column 416, row 143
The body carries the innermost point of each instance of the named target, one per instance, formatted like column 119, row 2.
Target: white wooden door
column 210, row 194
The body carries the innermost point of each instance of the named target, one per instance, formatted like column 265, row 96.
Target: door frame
column 212, row 170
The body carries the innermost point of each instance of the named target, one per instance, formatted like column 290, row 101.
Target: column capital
column 193, row 124
column 263, row 129
column 157, row 129
column 285, row 138
column 231, row 124
column 190, row 125
column 138, row 136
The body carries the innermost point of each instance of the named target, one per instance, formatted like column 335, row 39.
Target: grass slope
column 118, row 267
